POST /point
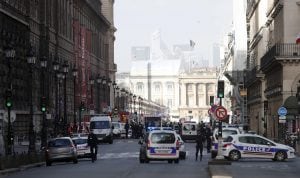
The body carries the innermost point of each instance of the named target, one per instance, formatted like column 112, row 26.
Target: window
column 157, row 88
column 170, row 87
column 169, row 103
column 162, row 138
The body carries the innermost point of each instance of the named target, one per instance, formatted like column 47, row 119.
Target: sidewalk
column 21, row 168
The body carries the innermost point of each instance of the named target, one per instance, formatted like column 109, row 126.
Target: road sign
column 282, row 117
column 221, row 113
column 282, row 121
column 282, row 111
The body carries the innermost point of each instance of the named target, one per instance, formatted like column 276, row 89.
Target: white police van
column 239, row 146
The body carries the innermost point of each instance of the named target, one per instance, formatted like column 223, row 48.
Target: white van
column 101, row 126
column 189, row 130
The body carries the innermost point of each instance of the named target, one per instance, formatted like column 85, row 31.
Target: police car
column 239, row 146
column 226, row 131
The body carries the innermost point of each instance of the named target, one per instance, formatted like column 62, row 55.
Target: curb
column 219, row 171
column 21, row 168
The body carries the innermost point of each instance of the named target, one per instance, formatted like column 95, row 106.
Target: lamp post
column 74, row 73
column 31, row 59
column 123, row 99
column 140, row 107
column 117, row 89
column 55, row 65
column 65, row 68
column 104, row 88
column 92, row 82
column 108, row 91
column 43, row 62
column 99, row 81
column 114, row 87
column 135, row 114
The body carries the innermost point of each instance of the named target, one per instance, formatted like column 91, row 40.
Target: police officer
column 93, row 143
column 199, row 143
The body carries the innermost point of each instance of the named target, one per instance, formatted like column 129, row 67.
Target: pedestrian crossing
column 125, row 155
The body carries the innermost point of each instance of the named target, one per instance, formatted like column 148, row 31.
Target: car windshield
column 80, row 141
column 99, row 125
column 116, row 125
column 59, row 143
column 226, row 133
column 162, row 138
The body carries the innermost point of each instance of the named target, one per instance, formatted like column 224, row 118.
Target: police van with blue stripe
column 239, row 146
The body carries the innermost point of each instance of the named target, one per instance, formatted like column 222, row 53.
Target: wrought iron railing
column 284, row 50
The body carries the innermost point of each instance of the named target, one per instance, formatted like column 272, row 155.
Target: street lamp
column 65, row 68
column 92, row 82
column 114, row 87
column 55, row 65
column 9, row 55
column 117, row 89
column 99, row 81
column 43, row 62
column 104, row 90
column 140, row 107
column 31, row 59
column 74, row 73
column 108, row 93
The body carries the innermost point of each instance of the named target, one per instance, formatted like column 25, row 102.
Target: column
column 195, row 94
column 205, row 94
column 183, row 94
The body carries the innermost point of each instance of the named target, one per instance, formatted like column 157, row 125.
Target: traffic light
column 8, row 101
column 220, row 89
column 43, row 104
column 211, row 100
column 82, row 107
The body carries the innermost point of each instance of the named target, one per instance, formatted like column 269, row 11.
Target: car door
column 265, row 147
column 246, row 146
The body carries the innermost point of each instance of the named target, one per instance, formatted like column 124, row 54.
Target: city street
column 121, row 160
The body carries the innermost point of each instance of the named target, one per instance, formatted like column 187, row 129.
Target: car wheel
column 234, row 155
column 176, row 161
column 280, row 156
column 75, row 160
column 170, row 161
column 111, row 141
column 48, row 163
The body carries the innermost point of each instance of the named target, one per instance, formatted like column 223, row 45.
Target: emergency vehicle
column 239, row 146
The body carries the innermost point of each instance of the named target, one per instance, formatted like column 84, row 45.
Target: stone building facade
column 72, row 33
column 273, row 66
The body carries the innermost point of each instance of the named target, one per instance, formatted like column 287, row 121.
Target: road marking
column 118, row 155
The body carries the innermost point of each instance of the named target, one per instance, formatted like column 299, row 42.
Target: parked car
column 60, row 149
column 255, row 146
column 182, row 151
column 83, row 149
column 159, row 145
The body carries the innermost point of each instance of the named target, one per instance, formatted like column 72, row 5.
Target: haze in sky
column 203, row 21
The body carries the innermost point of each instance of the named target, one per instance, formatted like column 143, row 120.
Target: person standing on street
column 126, row 128
column 208, row 138
column 199, row 144
column 93, row 143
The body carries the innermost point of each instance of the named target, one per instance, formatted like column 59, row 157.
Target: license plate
column 162, row 151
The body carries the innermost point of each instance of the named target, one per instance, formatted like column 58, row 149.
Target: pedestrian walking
column 199, row 144
column 126, row 129
column 208, row 138
column 93, row 143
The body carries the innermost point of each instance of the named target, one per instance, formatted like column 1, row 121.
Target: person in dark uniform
column 199, row 144
column 93, row 143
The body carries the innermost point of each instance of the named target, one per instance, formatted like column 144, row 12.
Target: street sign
column 282, row 121
column 282, row 111
column 221, row 113
column 282, row 117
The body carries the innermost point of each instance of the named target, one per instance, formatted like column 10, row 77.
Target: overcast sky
column 203, row 21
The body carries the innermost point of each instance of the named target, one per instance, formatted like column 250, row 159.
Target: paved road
column 120, row 160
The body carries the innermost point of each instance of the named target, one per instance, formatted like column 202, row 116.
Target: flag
column 192, row 43
column 298, row 39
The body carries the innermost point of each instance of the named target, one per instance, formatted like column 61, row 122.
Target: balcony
column 278, row 52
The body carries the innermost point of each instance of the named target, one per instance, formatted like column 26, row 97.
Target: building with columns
column 195, row 89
